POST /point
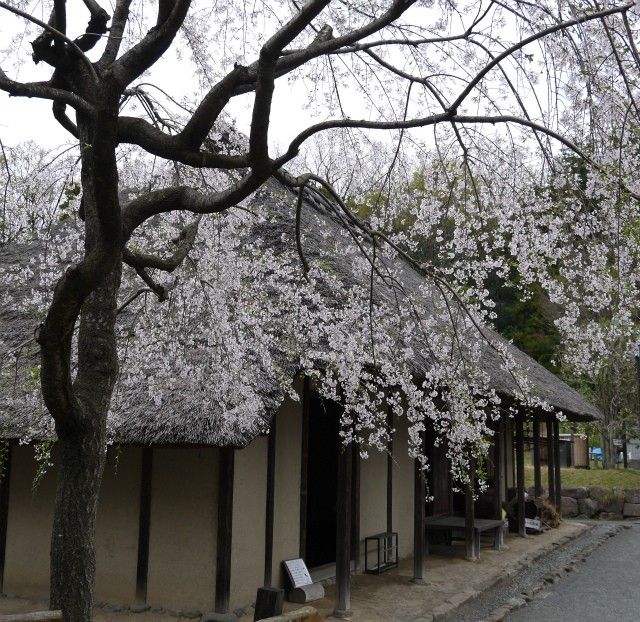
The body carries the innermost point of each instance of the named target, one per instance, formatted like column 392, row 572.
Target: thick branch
column 43, row 90
column 116, row 32
column 189, row 200
column 244, row 80
column 96, row 27
column 139, row 132
column 55, row 33
column 155, row 43
column 184, row 244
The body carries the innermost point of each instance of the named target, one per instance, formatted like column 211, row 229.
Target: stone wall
column 605, row 503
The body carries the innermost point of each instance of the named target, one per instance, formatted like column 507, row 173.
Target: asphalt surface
column 545, row 606
column 605, row 588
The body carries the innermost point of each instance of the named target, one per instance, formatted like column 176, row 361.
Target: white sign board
column 533, row 523
column 298, row 573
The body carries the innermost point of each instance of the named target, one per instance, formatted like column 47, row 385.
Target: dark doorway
column 322, row 480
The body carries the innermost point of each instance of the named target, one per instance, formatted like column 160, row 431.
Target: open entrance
column 322, row 480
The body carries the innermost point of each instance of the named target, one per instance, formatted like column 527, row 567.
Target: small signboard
column 298, row 573
column 533, row 523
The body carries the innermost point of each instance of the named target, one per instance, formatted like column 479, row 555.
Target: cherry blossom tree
column 399, row 67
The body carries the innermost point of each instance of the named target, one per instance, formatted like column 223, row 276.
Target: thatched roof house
column 176, row 491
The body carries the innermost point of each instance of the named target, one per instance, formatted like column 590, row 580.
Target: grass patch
column 585, row 478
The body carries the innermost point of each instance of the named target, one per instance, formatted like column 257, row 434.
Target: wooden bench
column 480, row 525
column 36, row 616
column 305, row 614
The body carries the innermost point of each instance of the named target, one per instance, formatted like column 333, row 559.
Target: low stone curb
column 448, row 607
column 501, row 612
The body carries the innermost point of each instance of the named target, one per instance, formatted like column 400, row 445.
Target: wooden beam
column 225, row 526
column 144, row 521
column 270, row 507
column 469, row 515
column 343, row 534
column 304, row 465
column 537, row 472
column 4, row 508
column 556, row 463
column 419, row 498
column 520, row 472
column 551, row 477
column 390, row 471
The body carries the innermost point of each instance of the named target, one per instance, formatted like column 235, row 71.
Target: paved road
column 605, row 588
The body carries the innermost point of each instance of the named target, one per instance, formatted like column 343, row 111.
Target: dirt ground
column 450, row 580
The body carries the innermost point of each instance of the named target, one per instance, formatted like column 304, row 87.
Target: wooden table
column 449, row 523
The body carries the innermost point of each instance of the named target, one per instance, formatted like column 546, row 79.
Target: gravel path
column 525, row 581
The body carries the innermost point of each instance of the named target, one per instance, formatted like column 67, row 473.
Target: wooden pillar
column 225, row 524
column 355, row 506
column 551, row 461
column 390, row 471
column 144, row 518
column 343, row 534
column 499, row 483
column 556, row 463
column 4, row 507
column 304, row 464
column 469, row 514
column 419, row 499
column 269, row 511
column 537, row 473
column 520, row 472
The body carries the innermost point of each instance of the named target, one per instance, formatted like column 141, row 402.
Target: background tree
column 408, row 65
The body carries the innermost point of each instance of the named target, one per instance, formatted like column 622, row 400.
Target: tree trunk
column 608, row 449
column 81, row 429
column 81, row 461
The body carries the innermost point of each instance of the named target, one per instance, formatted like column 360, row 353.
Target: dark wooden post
column 390, row 470
column 537, row 474
column 343, row 534
column 556, row 463
column 355, row 506
column 304, row 465
column 144, row 517
column 469, row 514
column 419, row 500
column 5, row 483
column 225, row 525
column 499, row 485
column 270, row 508
column 520, row 472
column 551, row 461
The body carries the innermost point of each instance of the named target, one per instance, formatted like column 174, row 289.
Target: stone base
column 306, row 593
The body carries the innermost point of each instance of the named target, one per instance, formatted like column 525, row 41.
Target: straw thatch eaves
column 172, row 423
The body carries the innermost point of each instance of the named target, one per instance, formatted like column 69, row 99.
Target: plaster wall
column 249, row 514
column 403, row 479
column 28, row 526
column 117, row 526
column 373, row 497
column 183, row 526
column 286, row 529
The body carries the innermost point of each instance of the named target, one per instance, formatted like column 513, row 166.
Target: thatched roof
column 147, row 422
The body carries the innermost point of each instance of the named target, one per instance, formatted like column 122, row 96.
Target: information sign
column 298, row 573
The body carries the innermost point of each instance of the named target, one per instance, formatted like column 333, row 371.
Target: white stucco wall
column 286, row 530
column 117, row 526
column 183, row 528
column 403, row 481
column 29, row 526
column 249, row 514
